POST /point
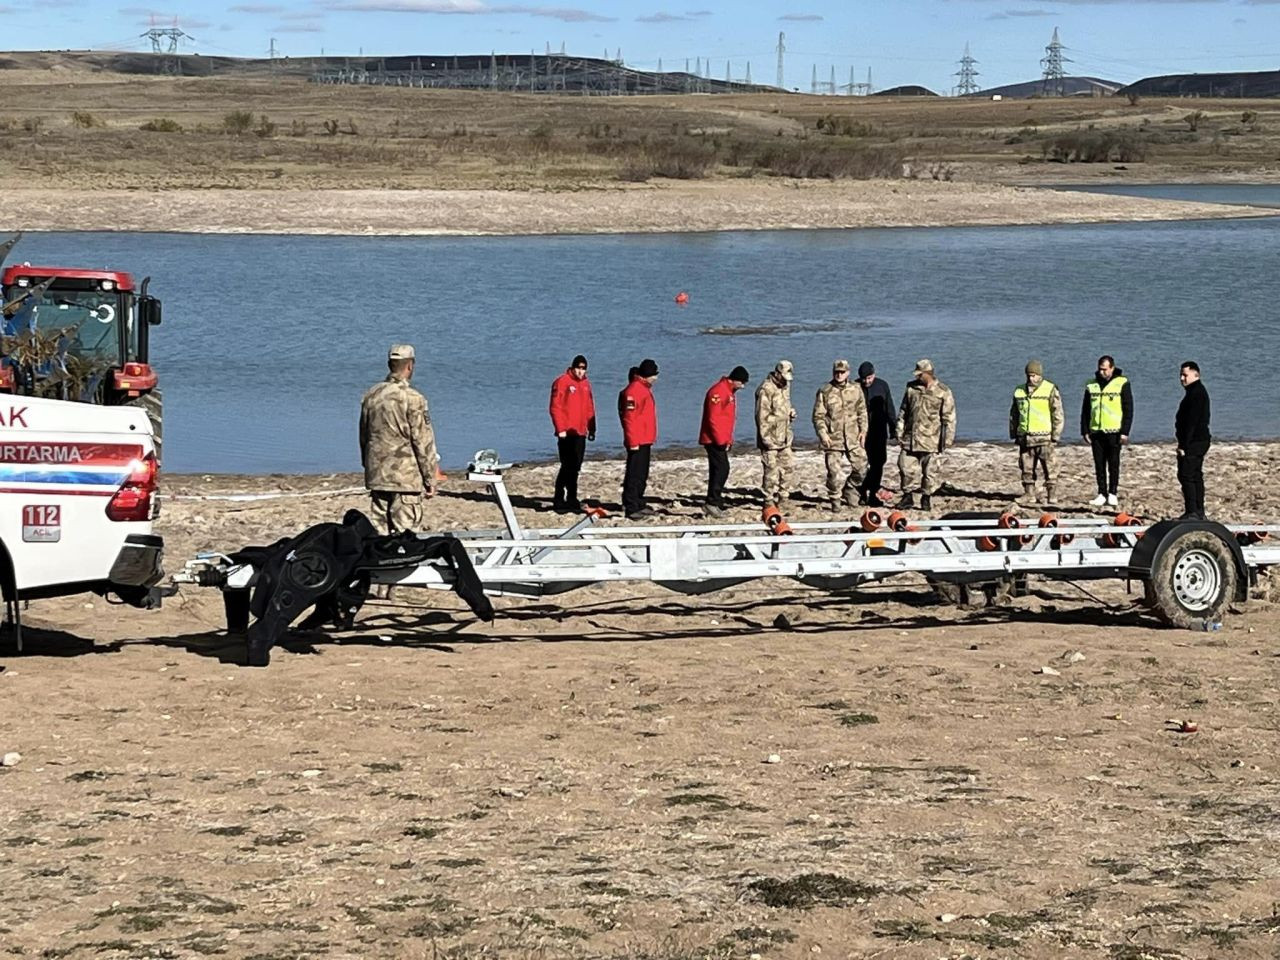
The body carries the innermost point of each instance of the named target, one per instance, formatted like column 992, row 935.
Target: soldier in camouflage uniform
column 926, row 428
column 840, row 419
column 397, row 446
column 1036, row 421
column 774, row 433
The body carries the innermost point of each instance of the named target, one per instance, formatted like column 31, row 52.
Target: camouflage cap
column 840, row 366
column 1035, row 368
column 400, row 351
column 785, row 370
column 924, row 366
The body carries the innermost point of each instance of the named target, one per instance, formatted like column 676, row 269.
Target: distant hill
column 910, row 90
column 1259, row 84
column 1071, row 87
column 515, row 71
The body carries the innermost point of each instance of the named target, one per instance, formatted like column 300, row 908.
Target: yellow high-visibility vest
column 1106, row 413
column 1035, row 417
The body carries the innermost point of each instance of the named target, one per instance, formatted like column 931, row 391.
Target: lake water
column 1245, row 194
column 269, row 342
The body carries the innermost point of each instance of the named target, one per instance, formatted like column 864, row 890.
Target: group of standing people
column 854, row 421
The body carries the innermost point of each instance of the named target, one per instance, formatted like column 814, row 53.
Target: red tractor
column 76, row 334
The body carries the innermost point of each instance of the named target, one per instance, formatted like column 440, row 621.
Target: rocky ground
column 625, row 772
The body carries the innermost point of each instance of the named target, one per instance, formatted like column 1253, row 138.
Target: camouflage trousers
column 1041, row 459
column 919, row 470
column 844, row 473
column 779, row 469
column 395, row 512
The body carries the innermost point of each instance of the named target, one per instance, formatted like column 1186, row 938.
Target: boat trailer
column 1192, row 570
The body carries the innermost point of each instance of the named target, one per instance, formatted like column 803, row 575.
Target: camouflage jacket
column 927, row 418
column 397, row 443
column 774, row 415
column 840, row 416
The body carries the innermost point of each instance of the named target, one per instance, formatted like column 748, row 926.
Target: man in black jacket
column 881, row 427
column 1106, row 417
column 1192, row 429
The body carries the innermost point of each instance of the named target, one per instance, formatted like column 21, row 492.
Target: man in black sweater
column 882, row 426
column 1192, row 429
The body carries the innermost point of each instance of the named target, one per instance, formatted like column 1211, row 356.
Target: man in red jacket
column 639, row 417
column 716, row 435
column 573, row 417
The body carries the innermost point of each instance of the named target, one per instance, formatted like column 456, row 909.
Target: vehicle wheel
column 153, row 403
column 1194, row 580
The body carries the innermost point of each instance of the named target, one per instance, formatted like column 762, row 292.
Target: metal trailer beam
column 1205, row 559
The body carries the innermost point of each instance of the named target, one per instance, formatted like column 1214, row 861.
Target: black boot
column 1190, row 511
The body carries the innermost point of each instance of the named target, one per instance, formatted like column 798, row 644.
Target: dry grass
column 112, row 130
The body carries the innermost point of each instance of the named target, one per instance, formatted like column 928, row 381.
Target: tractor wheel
column 1194, row 580
column 153, row 403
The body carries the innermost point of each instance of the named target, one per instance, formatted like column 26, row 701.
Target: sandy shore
column 623, row 772
column 669, row 206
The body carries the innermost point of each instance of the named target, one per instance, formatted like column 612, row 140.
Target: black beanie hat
column 648, row 368
column 579, row 361
column 865, row 369
column 740, row 374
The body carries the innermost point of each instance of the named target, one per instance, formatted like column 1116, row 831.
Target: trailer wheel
column 153, row 404
column 1194, row 580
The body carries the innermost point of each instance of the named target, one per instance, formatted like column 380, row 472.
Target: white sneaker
column 1098, row 501
column 1113, row 500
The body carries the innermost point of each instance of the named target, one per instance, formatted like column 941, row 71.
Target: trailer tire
column 1194, row 580
column 153, row 404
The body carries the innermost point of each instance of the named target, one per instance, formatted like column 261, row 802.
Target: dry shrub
column 237, row 122
column 674, row 159
column 806, row 161
column 85, row 120
column 162, row 125
column 1095, row 146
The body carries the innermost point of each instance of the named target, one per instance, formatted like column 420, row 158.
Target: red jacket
column 718, row 411
column 573, row 410
column 639, row 414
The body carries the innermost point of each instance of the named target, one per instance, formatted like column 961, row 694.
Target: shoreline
column 744, row 456
column 666, row 207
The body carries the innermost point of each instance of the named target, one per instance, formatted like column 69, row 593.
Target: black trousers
column 717, row 473
column 1191, row 476
column 1106, row 461
column 877, row 453
column 572, row 449
column 635, row 479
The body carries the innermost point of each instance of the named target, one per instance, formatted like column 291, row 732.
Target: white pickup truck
column 78, row 495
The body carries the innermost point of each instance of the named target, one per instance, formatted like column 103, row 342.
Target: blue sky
column 903, row 41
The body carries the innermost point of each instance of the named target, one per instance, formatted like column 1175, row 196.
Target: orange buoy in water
column 774, row 520
column 872, row 520
column 682, row 298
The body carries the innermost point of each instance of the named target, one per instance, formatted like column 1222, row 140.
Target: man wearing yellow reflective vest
column 1036, row 420
column 1106, row 416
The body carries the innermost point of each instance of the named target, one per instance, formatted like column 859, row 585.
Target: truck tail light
column 137, row 497
column 134, row 378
